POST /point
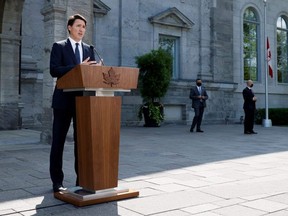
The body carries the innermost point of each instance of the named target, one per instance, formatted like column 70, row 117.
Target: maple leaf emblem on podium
column 111, row 78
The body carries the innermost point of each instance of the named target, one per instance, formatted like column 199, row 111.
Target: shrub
column 154, row 79
column 278, row 116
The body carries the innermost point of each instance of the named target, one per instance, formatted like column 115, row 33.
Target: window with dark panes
column 250, row 45
column 282, row 51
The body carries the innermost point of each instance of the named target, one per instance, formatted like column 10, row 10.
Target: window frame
column 280, row 74
column 256, row 22
column 175, row 53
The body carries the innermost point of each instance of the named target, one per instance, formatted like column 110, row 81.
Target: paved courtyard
column 178, row 173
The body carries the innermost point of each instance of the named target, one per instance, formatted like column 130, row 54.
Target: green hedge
column 278, row 116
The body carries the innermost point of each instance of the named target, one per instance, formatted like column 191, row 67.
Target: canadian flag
column 270, row 70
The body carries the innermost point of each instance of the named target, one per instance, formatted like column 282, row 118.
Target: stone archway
column 10, row 41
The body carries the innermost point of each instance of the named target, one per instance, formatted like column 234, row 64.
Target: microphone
column 95, row 51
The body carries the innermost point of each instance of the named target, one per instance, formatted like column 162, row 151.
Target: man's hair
column 198, row 79
column 72, row 19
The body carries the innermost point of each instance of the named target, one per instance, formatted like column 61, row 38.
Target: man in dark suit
column 65, row 55
column 249, row 107
column 199, row 96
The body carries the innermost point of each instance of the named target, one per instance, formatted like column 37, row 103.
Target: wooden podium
column 98, row 120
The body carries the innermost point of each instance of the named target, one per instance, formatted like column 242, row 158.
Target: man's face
column 77, row 30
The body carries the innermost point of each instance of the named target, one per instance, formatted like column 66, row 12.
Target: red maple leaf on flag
column 270, row 70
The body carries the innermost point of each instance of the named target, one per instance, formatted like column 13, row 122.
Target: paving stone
column 7, row 212
column 201, row 208
column 278, row 213
column 280, row 198
column 173, row 213
column 170, row 187
column 167, row 202
column 207, row 214
column 150, row 192
column 266, row 205
column 229, row 202
column 238, row 210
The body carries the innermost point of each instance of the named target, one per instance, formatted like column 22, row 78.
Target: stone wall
column 10, row 42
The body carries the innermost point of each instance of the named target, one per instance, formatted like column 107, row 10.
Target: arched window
column 282, row 49
column 250, row 44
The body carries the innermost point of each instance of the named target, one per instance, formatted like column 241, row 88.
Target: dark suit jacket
column 62, row 60
column 194, row 93
column 248, row 95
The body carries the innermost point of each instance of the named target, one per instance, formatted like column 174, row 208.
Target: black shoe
column 58, row 188
column 247, row 132
column 253, row 132
column 191, row 130
column 201, row 131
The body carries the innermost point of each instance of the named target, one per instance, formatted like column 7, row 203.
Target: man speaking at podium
column 65, row 55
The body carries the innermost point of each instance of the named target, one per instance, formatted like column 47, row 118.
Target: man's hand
column 87, row 62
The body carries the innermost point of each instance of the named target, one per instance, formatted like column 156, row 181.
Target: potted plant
column 154, row 78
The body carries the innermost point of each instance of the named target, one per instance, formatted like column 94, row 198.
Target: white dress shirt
column 73, row 43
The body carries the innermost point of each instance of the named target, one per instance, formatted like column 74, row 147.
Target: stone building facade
column 207, row 38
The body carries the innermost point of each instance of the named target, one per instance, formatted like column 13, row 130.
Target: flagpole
column 266, row 122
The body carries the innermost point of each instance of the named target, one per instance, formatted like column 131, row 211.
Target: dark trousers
column 249, row 120
column 61, row 124
column 197, row 120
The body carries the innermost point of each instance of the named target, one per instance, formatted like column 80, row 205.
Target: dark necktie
column 77, row 53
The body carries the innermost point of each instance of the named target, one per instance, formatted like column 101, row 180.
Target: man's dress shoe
column 58, row 188
column 201, row 131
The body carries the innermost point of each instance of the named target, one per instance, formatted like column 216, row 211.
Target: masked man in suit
column 65, row 55
column 249, row 107
column 199, row 96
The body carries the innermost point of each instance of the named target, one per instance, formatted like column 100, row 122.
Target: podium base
column 80, row 197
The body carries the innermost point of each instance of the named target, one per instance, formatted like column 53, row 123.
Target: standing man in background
column 199, row 96
column 249, row 107
column 65, row 55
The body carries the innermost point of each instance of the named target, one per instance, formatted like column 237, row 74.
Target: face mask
column 251, row 85
column 199, row 84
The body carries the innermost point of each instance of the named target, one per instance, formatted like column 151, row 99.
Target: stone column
column 205, row 72
column 222, row 40
column 55, row 19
